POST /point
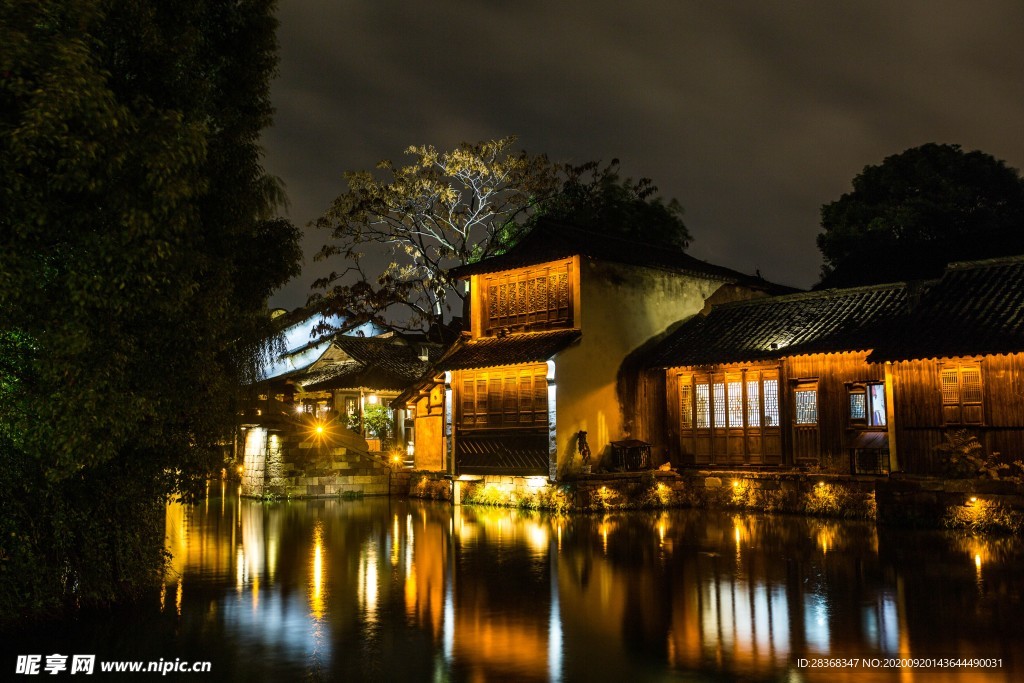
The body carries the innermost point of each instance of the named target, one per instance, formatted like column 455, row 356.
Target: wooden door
column 806, row 446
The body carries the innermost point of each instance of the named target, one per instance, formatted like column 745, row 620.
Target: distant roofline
column 815, row 294
column 498, row 262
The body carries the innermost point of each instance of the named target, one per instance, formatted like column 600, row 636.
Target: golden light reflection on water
column 316, row 580
column 368, row 582
column 519, row 594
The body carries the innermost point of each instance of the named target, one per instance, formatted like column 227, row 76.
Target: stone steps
column 294, row 466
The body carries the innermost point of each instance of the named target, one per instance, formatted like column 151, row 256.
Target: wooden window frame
column 499, row 398
column 806, row 387
column 537, row 298
column 963, row 400
column 864, row 388
column 698, row 413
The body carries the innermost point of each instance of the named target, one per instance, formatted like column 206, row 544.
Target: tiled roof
column 976, row 308
column 514, row 349
column 378, row 363
column 550, row 241
column 816, row 322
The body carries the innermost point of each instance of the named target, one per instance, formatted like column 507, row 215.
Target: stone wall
column 293, row 465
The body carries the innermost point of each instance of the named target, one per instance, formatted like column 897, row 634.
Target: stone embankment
column 295, row 465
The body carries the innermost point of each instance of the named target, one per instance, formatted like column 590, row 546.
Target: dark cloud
column 751, row 114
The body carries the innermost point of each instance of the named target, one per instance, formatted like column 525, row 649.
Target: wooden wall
column 832, row 373
column 919, row 425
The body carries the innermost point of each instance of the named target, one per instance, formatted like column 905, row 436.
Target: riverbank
column 977, row 505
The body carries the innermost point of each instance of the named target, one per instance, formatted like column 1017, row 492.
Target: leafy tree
column 599, row 198
column 918, row 210
column 443, row 209
column 137, row 250
column 451, row 208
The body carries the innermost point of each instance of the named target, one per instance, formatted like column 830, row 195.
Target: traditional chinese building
column 781, row 381
column 552, row 323
column 862, row 380
column 956, row 362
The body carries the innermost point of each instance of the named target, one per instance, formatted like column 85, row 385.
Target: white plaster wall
column 621, row 307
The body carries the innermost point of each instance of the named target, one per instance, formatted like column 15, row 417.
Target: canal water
column 396, row 590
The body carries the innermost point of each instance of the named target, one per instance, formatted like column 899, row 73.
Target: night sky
column 751, row 114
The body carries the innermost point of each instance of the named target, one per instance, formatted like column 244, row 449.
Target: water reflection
column 404, row 590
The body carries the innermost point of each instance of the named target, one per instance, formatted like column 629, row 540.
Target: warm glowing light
column 396, row 459
column 974, row 499
column 241, row 468
column 538, row 538
column 735, row 483
column 372, row 399
column 319, row 429
column 316, row 583
column 977, row 560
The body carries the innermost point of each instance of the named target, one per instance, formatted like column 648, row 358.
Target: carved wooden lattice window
column 734, row 387
column 686, row 406
column 537, row 298
column 771, row 403
column 718, row 394
column 507, row 397
column 703, row 405
column 753, row 403
column 748, row 399
column 806, row 406
column 961, row 395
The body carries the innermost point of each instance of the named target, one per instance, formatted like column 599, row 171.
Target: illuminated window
column 867, row 404
column 961, row 394
column 806, row 406
column 721, row 401
column 703, row 406
column 686, row 406
column 718, row 393
column 537, row 298
column 771, row 403
column 753, row 403
column 735, row 403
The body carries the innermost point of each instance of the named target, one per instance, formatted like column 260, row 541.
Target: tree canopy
column 137, row 249
column 598, row 198
column 398, row 231
column 918, row 210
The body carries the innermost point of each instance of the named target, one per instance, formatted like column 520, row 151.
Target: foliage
column 598, row 198
column 399, row 231
column 916, row 211
column 965, row 458
column 137, row 249
column 442, row 210
column 434, row 489
column 983, row 516
column 378, row 421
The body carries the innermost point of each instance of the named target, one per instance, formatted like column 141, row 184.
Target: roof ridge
column 820, row 293
column 984, row 263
